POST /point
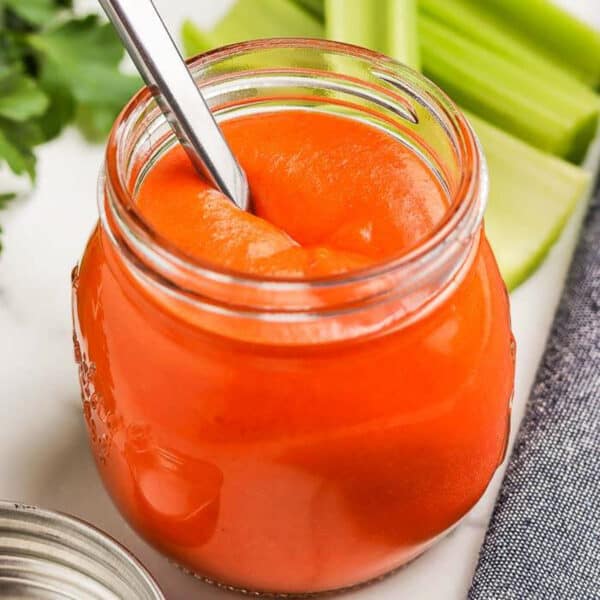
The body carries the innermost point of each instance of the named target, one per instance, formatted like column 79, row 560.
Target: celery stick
column 315, row 7
column 359, row 22
column 531, row 197
column 477, row 22
column 194, row 39
column 403, row 43
column 388, row 26
column 249, row 19
column 564, row 38
column 506, row 94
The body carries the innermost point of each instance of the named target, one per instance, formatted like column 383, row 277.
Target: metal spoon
column 157, row 58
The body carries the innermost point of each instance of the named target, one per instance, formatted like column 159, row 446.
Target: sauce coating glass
column 295, row 436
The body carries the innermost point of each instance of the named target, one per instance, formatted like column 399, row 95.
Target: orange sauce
column 298, row 468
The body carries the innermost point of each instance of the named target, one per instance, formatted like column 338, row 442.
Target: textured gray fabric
column 543, row 542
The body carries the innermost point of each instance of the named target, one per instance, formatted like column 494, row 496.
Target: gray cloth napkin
column 543, row 542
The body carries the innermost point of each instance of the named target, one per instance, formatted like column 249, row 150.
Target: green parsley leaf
column 56, row 68
column 22, row 99
column 17, row 141
column 18, row 159
column 61, row 108
column 84, row 54
column 36, row 12
column 5, row 199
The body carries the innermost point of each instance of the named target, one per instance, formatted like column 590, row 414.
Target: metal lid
column 50, row 556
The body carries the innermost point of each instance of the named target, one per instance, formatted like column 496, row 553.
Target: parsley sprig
column 55, row 68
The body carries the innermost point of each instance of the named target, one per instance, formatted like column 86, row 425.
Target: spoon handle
column 158, row 60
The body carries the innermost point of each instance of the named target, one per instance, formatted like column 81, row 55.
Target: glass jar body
column 296, row 469
column 296, row 436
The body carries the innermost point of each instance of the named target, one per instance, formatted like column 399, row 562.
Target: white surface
column 44, row 456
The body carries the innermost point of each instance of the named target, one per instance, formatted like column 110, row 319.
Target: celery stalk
column 315, row 7
column 564, row 38
column 248, row 19
column 531, row 197
column 506, row 94
column 194, row 39
column 388, row 26
column 477, row 22
column 359, row 22
column 402, row 40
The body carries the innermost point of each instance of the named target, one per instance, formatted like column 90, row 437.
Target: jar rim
column 462, row 221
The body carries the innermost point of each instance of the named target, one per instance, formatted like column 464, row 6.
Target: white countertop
column 44, row 455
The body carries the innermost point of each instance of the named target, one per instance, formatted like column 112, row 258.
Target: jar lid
column 51, row 556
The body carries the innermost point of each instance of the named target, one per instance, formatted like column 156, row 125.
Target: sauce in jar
column 332, row 434
column 331, row 195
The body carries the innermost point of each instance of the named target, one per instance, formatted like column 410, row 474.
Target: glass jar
column 291, row 436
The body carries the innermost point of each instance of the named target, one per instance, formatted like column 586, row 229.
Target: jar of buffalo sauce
column 304, row 398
